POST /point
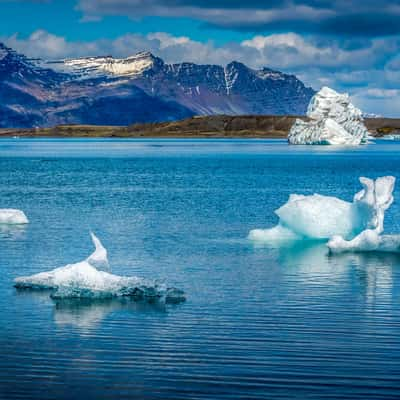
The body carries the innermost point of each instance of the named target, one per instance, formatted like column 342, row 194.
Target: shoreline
column 211, row 127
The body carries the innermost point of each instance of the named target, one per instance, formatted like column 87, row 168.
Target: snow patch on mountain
column 230, row 78
column 98, row 66
column 267, row 73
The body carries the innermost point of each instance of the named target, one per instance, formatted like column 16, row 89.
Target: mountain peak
column 11, row 60
column 4, row 50
column 146, row 59
column 237, row 65
column 141, row 87
column 141, row 54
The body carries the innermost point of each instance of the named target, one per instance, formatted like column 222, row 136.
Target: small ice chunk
column 79, row 280
column 85, row 280
column 10, row 216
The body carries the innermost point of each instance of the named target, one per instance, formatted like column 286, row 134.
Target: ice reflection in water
column 85, row 314
column 312, row 264
column 12, row 232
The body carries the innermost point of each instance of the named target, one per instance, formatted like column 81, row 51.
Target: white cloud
column 383, row 93
column 167, row 40
column 42, row 44
column 222, row 14
column 383, row 105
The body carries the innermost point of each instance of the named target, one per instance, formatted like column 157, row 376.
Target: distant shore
column 217, row 126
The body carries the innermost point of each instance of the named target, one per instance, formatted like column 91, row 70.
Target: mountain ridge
column 141, row 88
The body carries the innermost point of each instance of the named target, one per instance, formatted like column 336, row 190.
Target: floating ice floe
column 395, row 136
column 349, row 226
column 10, row 216
column 333, row 121
column 85, row 280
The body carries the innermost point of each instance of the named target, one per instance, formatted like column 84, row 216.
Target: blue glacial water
column 259, row 322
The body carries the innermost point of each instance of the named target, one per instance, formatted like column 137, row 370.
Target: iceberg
column 85, row 280
column 10, row 216
column 324, row 217
column 395, row 136
column 333, row 120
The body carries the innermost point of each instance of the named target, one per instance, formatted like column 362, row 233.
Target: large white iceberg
column 85, row 280
column 9, row 216
column 324, row 217
column 333, row 120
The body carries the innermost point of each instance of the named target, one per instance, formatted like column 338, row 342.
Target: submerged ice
column 85, row 279
column 333, row 120
column 10, row 216
column 348, row 225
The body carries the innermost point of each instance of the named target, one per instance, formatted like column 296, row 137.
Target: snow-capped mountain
column 140, row 88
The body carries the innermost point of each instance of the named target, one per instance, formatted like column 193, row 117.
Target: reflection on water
column 85, row 313
column 12, row 232
column 375, row 274
column 312, row 264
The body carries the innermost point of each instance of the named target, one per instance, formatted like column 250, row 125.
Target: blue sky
column 63, row 18
column 350, row 45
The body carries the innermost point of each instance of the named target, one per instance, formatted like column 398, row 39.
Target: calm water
column 259, row 322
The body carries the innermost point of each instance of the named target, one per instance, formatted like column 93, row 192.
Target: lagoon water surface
column 260, row 322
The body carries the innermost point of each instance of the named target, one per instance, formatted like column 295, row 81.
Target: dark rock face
column 107, row 107
column 235, row 89
column 141, row 88
column 24, row 89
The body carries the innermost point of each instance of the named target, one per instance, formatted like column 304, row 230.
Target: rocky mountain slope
column 141, row 88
